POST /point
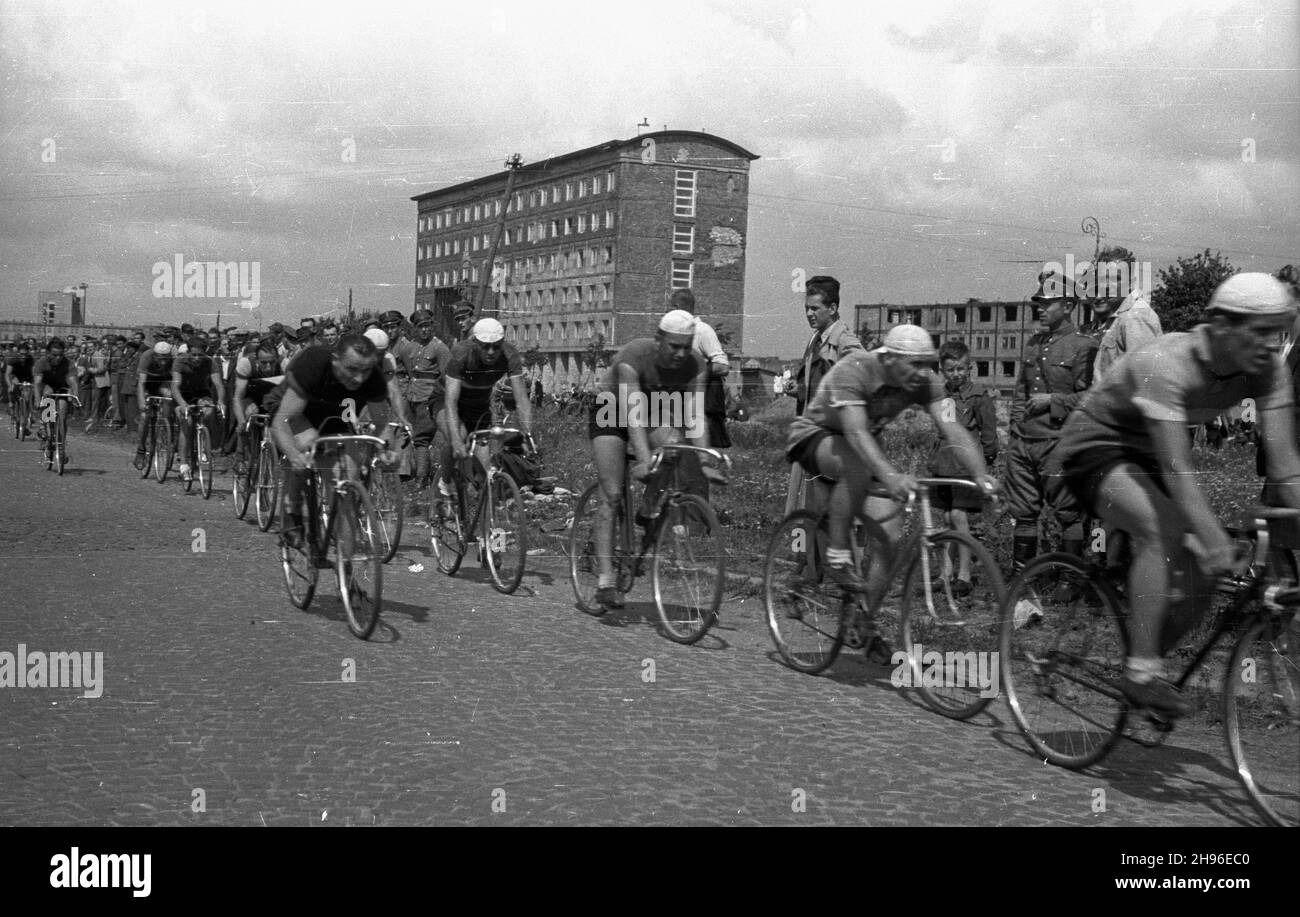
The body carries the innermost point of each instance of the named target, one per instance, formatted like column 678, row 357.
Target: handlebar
column 659, row 454
column 360, row 439
column 929, row 484
column 500, row 433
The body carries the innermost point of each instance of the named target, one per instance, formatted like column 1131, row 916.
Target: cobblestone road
column 468, row 707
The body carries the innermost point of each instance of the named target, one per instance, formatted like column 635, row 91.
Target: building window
column 982, row 368
column 683, row 238
column 1009, row 368
column 609, row 219
column 609, row 180
column 684, row 196
column 934, row 341
column 609, row 254
column 438, row 220
column 582, row 189
column 496, row 209
column 604, row 292
column 582, row 222
column 465, row 215
column 568, row 225
column 555, row 228
column 568, row 190
column 473, row 275
column 487, row 241
column 478, row 212
column 1009, row 312
column 455, row 247
column 475, row 243
column 986, row 313
column 1008, row 342
column 682, row 274
column 959, row 315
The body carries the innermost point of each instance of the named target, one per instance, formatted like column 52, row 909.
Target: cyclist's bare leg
column 1127, row 498
column 609, row 454
column 836, row 459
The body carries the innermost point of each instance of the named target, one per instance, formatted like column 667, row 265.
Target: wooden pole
column 480, row 298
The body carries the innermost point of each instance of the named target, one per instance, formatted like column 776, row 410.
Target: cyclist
column 18, row 368
column 1127, row 458
column 256, row 376
column 472, row 370
column 153, row 377
column 425, row 360
column 195, row 377
column 316, row 387
column 52, row 373
column 625, row 420
column 835, row 437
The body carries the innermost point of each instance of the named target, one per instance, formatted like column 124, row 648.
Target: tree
column 533, row 358
column 724, row 336
column 1185, row 288
column 596, row 353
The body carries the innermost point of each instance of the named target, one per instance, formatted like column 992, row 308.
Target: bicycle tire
column 300, row 571
column 583, row 568
column 15, row 417
column 191, row 454
column 807, row 614
column 358, row 563
column 689, row 570
column 504, row 539
column 150, row 447
column 267, row 495
column 446, row 532
column 1063, row 646
column 162, row 448
column 203, row 459
column 963, row 629
column 386, row 494
column 241, row 486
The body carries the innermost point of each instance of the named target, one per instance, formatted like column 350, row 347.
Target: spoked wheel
column 191, row 457
column 162, row 448
column 1261, row 696
column 358, row 559
column 300, row 571
column 446, row 535
column 1062, row 655
column 950, row 624
column 386, row 494
column 203, row 459
column 15, row 418
column 806, row 612
column 266, row 485
column 242, row 486
column 689, row 569
column 583, row 570
column 150, row 446
column 506, row 535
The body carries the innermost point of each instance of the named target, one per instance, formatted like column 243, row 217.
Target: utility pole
column 1092, row 227
column 351, row 318
column 512, row 164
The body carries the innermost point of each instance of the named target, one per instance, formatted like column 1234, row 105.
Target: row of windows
column 558, row 331
column 537, row 300
column 563, row 261
column 984, row 367
column 536, row 197
column 960, row 314
column 533, row 232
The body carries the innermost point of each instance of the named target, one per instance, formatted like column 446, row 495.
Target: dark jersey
column 312, row 377
column 195, row 371
column 156, row 368
column 477, row 375
column 56, row 373
column 21, row 366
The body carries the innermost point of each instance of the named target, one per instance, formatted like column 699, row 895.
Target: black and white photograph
column 775, row 413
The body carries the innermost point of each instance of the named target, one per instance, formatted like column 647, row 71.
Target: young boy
column 975, row 414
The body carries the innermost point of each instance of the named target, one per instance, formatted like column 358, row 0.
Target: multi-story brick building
column 995, row 332
column 593, row 243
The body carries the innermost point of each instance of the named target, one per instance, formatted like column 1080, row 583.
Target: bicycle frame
column 317, row 484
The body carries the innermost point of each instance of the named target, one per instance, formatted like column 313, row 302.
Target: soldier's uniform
column 1057, row 363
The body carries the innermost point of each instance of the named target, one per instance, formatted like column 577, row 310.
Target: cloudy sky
column 922, row 152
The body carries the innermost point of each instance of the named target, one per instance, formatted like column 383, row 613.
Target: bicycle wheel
column 1261, row 698
column 15, row 418
column 689, row 569
column 358, row 558
column 505, row 535
column 203, row 459
column 950, row 625
column 300, row 571
column 267, row 487
column 386, row 494
column 446, row 534
column 150, row 446
column 191, row 456
column 1062, row 654
column 583, row 570
column 806, row 613
column 162, row 447
column 241, row 485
